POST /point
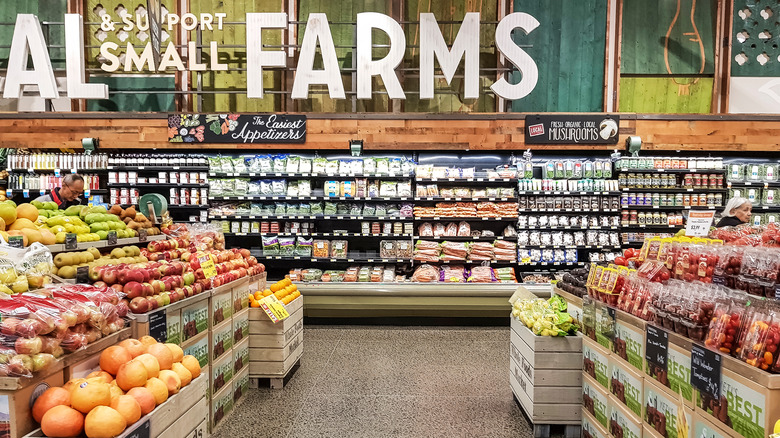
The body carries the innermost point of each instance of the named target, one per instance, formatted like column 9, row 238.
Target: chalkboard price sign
column 111, row 238
column 656, row 346
column 706, row 371
column 158, row 326
column 70, row 241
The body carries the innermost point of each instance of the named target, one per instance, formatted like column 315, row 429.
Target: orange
column 114, row 357
column 128, row 407
column 145, row 399
column 267, row 292
column 87, row 396
column 50, row 398
column 131, row 375
column 193, row 366
column 62, row 421
column 279, row 295
column 275, row 287
column 258, row 295
column 163, row 355
column 104, row 422
column 255, row 304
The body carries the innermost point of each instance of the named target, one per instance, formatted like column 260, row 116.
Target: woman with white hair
column 737, row 212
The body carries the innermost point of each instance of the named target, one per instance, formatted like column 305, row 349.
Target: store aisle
column 358, row 381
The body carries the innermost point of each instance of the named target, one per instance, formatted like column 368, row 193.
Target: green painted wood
column 154, row 98
column 569, row 48
column 645, row 28
column 663, row 95
column 756, row 32
column 450, row 10
column 45, row 10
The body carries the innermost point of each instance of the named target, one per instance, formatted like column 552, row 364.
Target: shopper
column 737, row 212
column 69, row 194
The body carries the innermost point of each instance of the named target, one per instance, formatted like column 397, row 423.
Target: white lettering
column 214, row 57
column 78, row 88
column 317, row 29
column 257, row 58
column 517, row 56
column 193, row 21
column 205, row 21
column 142, row 19
column 172, row 20
column 170, row 59
column 432, row 45
column 113, row 60
column 192, row 57
column 367, row 68
column 132, row 58
column 28, row 41
column 129, row 25
column 221, row 15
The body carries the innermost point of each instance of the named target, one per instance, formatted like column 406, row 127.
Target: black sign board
column 82, row 275
column 656, row 346
column 142, row 431
column 706, row 371
column 70, row 241
column 111, row 238
column 158, row 326
column 572, row 129
column 237, row 128
column 16, row 241
column 142, row 233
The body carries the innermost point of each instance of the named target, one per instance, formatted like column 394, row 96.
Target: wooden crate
column 596, row 400
column 275, row 348
column 751, row 409
column 221, row 373
column 260, row 324
column 275, row 354
column 623, row 422
column 241, row 326
column 591, row 428
column 293, row 326
column 545, row 375
column 274, row 369
column 626, row 385
column 669, row 405
column 704, row 428
column 18, row 419
column 595, row 361
column 197, row 415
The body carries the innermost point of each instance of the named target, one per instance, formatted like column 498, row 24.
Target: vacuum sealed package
column 270, row 245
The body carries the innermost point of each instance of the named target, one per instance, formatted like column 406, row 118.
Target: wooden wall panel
column 408, row 133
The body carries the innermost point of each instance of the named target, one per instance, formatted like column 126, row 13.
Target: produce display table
column 81, row 246
column 645, row 396
column 275, row 349
column 344, row 300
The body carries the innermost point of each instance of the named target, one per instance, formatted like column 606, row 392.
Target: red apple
column 153, row 304
column 134, row 289
column 139, row 305
column 118, row 287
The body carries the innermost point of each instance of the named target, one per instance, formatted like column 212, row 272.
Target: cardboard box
column 195, row 320
column 622, row 422
column 241, row 326
column 629, row 345
column 751, row 409
column 221, row 307
column 605, row 325
column 678, row 373
column 626, row 385
column 241, row 384
column 221, row 340
column 241, row 298
column 591, row 428
column 704, row 428
column 173, row 327
column 596, row 400
column 221, row 373
column 221, row 405
column 662, row 411
column 241, row 356
column 595, row 361
column 199, row 347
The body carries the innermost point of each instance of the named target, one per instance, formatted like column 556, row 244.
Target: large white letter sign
column 517, row 56
column 432, row 45
column 367, row 68
column 317, row 28
column 27, row 32
column 257, row 58
column 74, row 62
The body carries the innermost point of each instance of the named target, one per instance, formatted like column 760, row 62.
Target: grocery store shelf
column 81, row 246
column 466, row 219
column 553, row 264
column 468, row 262
column 307, row 198
column 753, row 184
column 55, row 170
column 144, row 317
column 152, row 168
column 567, row 192
column 467, row 238
column 477, row 179
column 568, row 246
column 356, row 259
column 766, row 208
column 377, row 235
column 190, row 207
column 314, row 218
column 567, row 210
column 669, row 207
column 419, row 289
column 154, row 185
column 674, row 190
column 34, row 193
column 652, row 227
column 539, row 228
column 671, row 170
column 467, row 199
column 306, row 175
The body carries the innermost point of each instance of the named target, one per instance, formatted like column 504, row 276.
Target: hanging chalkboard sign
column 706, row 371
column 158, row 326
column 656, row 346
column 237, row 128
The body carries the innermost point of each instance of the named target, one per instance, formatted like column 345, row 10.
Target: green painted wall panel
column 154, row 98
column 569, row 50
column 756, row 34
column 646, row 25
column 664, row 95
column 45, row 10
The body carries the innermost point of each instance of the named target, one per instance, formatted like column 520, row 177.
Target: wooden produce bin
column 590, row 427
column 275, row 348
column 166, row 324
column 596, row 400
column 622, row 422
column 17, row 395
column 545, row 377
column 662, row 411
column 166, row 419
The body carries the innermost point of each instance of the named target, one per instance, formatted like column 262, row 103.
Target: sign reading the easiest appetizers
column 237, row 128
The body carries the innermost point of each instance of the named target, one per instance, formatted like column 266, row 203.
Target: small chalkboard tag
column 158, row 326
column 82, row 274
column 656, row 346
column 111, row 238
column 142, row 431
column 70, row 241
column 706, row 371
column 16, row 241
column 142, row 233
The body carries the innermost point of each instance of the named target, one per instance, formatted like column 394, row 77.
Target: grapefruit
column 163, row 355
column 145, row 399
column 185, row 376
column 87, row 396
column 52, row 397
column 171, row 380
column 134, row 346
column 151, row 364
column 158, row 389
column 176, row 351
column 62, row 421
column 104, row 422
column 114, row 357
column 27, row 211
column 131, row 375
column 22, row 223
column 192, row 365
column 128, row 407
column 7, row 213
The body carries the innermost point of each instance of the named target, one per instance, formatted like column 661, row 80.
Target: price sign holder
column 274, row 308
column 16, row 241
column 706, row 369
column 142, row 431
column 209, row 270
column 82, row 274
column 699, row 223
column 657, row 347
column 158, row 326
column 142, row 234
column 111, row 238
column 70, row 241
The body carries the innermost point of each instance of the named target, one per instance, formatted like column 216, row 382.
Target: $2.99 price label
column 209, row 270
column 699, row 223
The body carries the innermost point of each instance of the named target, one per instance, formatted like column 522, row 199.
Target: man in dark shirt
column 69, row 194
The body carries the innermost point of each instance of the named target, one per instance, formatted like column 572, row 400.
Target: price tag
column 656, row 347
column 699, row 223
column 70, row 241
column 26, row 193
column 82, row 274
column 9, row 193
column 111, row 238
column 142, row 234
column 274, row 308
column 57, row 173
column 209, row 270
column 706, row 371
column 42, row 192
column 86, row 193
column 525, row 260
column 16, row 241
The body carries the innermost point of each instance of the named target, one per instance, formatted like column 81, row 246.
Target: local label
column 595, row 365
column 628, row 345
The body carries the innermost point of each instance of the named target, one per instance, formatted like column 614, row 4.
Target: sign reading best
column 28, row 41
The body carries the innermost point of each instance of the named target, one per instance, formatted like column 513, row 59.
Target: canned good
column 713, row 181
column 710, row 200
column 656, row 181
column 697, row 180
column 641, row 218
column 656, row 199
column 675, row 163
column 624, row 200
column 632, row 199
column 694, row 200
column 667, row 163
column 624, row 217
column 686, row 200
column 702, row 200
column 718, row 199
column 719, row 183
column 656, row 218
column 633, row 217
column 648, row 199
column 688, row 180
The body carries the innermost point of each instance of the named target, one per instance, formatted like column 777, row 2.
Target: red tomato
column 628, row 253
column 621, row 261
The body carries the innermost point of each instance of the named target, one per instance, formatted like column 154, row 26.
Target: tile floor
column 375, row 381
